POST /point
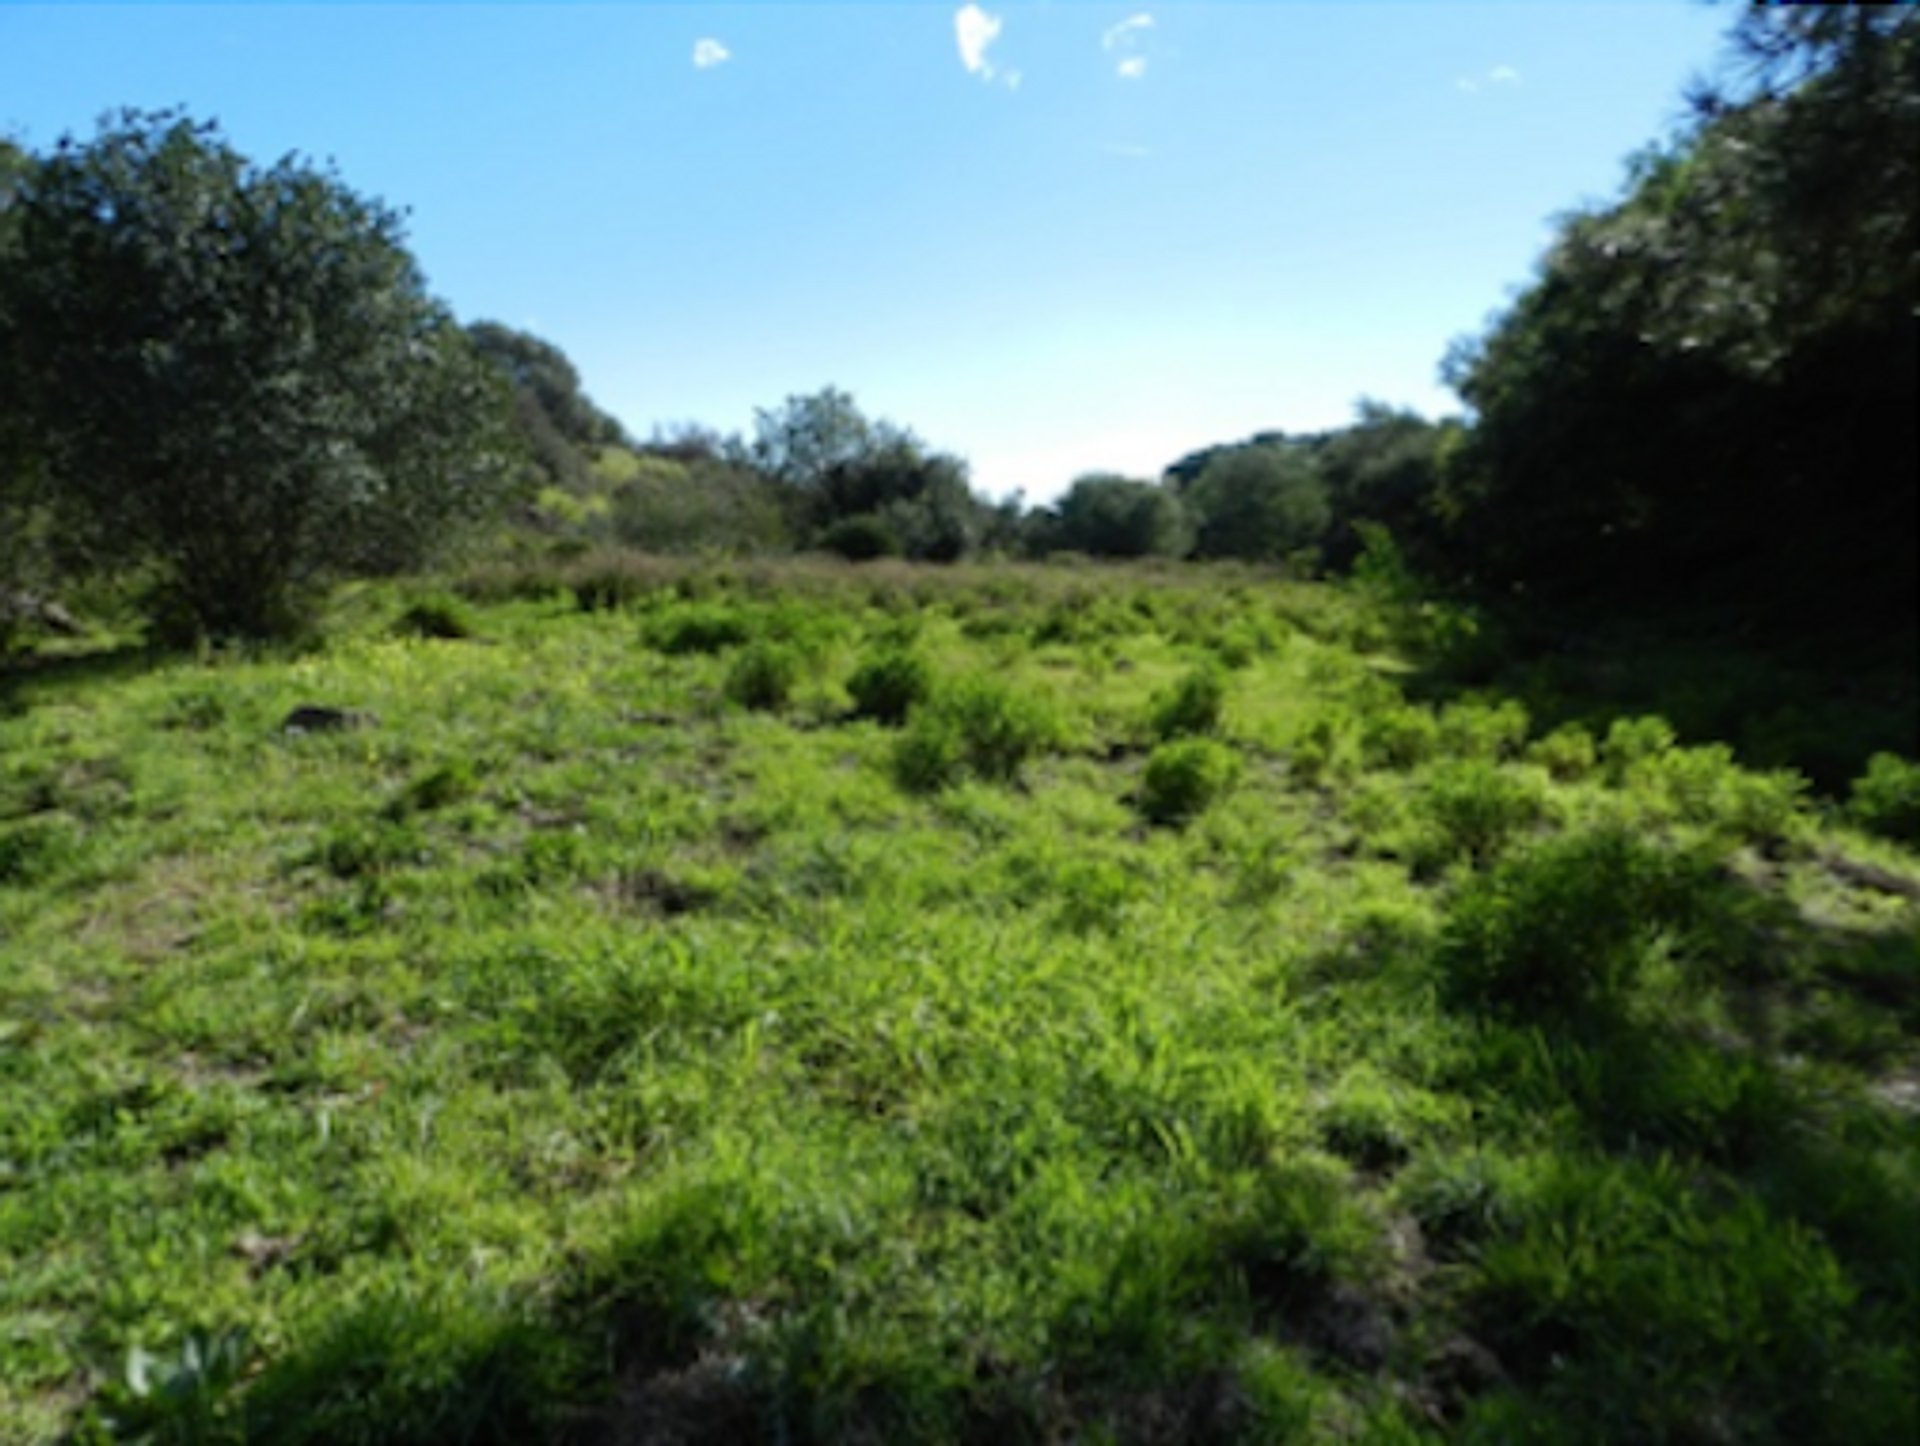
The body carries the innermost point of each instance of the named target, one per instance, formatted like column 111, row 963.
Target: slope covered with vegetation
column 815, row 1004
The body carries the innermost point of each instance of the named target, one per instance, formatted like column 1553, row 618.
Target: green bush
column 1185, row 776
column 1400, row 737
column 1565, row 928
column 889, row 685
column 1191, row 707
column 763, row 676
column 979, row 726
column 1479, row 730
column 1885, row 800
column 1477, row 807
column 699, row 628
column 861, row 539
column 1631, row 743
column 1568, row 753
column 435, row 617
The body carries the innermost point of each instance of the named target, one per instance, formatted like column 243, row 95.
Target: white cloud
column 975, row 31
column 1126, row 31
column 1504, row 75
column 1132, row 68
column 709, row 53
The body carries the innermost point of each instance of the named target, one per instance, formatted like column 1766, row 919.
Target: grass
column 844, row 1004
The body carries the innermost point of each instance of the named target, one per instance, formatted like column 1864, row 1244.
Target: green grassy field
column 812, row 1005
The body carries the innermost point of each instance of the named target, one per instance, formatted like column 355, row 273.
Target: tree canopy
column 235, row 371
column 1708, row 388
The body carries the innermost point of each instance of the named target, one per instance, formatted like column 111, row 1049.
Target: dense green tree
column 1707, row 392
column 1261, row 502
column 835, row 465
column 236, row 372
column 560, row 428
column 1384, row 468
column 1106, row 515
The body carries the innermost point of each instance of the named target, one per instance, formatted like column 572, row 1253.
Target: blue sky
column 1051, row 238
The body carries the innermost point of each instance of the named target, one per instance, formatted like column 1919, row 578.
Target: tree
column 1707, row 392
column 1263, row 502
column 835, row 467
column 560, row 428
column 235, row 372
column 1106, row 515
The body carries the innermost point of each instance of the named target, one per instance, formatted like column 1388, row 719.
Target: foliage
column 1103, row 515
column 1886, row 798
column 890, row 684
column 1565, row 929
column 975, row 725
column 1703, row 392
column 763, row 675
column 1191, row 706
column 236, row 372
column 573, row 1053
column 845, row 478
column 1264, row 503
column 559, row 427
column 701, row 504
column 1184, row 777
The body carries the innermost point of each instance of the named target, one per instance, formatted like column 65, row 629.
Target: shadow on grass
column 1820, row 702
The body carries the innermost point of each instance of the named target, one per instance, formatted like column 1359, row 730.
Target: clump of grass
column 1885, row 800
column 977, row 725
column 763, row 676
column 888, row 685
column 450, row 783
column 1565, row 929
column 1184, row 777
column 1191, row 707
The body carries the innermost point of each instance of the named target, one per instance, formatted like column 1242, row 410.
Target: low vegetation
column 829, row 1003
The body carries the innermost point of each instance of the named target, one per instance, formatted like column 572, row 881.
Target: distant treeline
column 1705, row 395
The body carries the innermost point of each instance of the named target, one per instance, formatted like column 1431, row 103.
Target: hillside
column 677, row 1003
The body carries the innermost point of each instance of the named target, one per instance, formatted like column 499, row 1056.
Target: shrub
column 1632, row 742
column 861, row 539
column 980, row 725
column 1191, row 707
column 1185, row 776
column 1565, row 928
column 1478, row 807
column 1568, row 753
column 763, row 676
column 888, row 685
column 1400, row 737
column 1885, row 800
column 435, row 617
column 698, row 628
column 1477, row 730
